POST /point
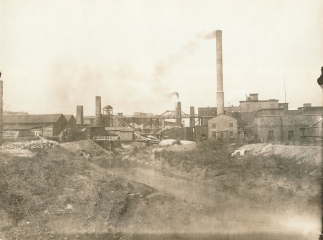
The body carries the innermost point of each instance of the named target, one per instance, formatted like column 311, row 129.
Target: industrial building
column 46, row 125
column 71, row 122
column 223, row 126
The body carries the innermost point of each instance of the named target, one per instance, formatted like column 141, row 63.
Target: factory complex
column 254, row 120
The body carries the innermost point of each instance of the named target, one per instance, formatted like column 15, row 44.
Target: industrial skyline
column 57, row 55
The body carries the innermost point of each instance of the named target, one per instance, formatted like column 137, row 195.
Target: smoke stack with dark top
column 219, row 69
column 1, row 110
column 98, row 115
column 79, row 115
column 178, row 114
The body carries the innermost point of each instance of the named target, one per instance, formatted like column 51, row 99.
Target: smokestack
column 192, row 119
column 79, row 115
column 98, row 115
column 219, row 69
column 178, row 114
column 1, row 110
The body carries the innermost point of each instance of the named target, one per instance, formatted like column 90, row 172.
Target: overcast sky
column 58, row 54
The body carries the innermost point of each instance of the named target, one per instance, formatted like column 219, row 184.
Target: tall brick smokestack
column 98, row 115
column 219, row 69
column 79, row 115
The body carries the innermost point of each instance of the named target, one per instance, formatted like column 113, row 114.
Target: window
column 231, row 133
column 291, row 135
column 214, row 134
column 270, row 135
column 231, row 124
column 248, row 106
column 213, row 125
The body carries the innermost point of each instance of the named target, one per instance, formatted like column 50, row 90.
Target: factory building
column 126, row 134
column 274, row 126
column 71, row 122
column 47, row 125
column 223, row 126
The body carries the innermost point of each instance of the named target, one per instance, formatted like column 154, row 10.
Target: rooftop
column 44, row 118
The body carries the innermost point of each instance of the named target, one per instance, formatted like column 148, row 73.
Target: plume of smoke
column 174, row 94
column 206, row 36
column 76, row 82
column 165, row 66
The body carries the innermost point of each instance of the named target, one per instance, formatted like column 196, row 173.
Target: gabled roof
column 68, row 117
column 44, row 118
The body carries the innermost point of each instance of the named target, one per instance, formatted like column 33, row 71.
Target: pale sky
column 58, row 54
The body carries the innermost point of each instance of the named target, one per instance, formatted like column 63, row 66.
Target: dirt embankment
column 58, row 193
column 61, row 193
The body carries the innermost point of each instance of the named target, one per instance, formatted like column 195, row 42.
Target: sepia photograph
column 161, row 119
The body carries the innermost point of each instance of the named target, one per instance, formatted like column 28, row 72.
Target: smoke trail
column 174, row 94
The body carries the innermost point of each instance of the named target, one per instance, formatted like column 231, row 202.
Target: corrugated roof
column 44, row 118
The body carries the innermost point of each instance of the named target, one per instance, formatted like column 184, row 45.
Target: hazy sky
column 134, row 54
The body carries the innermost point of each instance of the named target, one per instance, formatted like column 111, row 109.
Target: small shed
column 126, row 134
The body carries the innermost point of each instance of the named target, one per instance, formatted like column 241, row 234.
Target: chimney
column 178, row 114
column 219, row 69
column 307, row 105
column 98, row 115
column 192, row 119
column 79, row 115
column 1, row 110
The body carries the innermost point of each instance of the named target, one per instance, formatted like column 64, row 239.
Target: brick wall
column 281, row 125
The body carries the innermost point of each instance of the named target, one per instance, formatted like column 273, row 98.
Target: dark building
column 46, row 125
column 71, row 122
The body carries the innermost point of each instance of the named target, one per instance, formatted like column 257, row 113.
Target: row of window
column 214, row 134
column 214, row 125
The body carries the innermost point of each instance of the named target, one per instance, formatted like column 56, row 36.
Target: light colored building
column 222, row 126
column 126, row 134
column 252, row 104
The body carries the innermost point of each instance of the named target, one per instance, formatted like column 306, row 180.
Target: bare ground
column 62, row 193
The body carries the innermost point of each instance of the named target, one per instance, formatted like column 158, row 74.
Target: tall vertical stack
column 192, row 119
column 98, row 114
column 178, row 114
column 219, row 69
column 1, row 111
column 79, row 115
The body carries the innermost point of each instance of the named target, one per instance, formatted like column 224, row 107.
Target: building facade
column 222, row 126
